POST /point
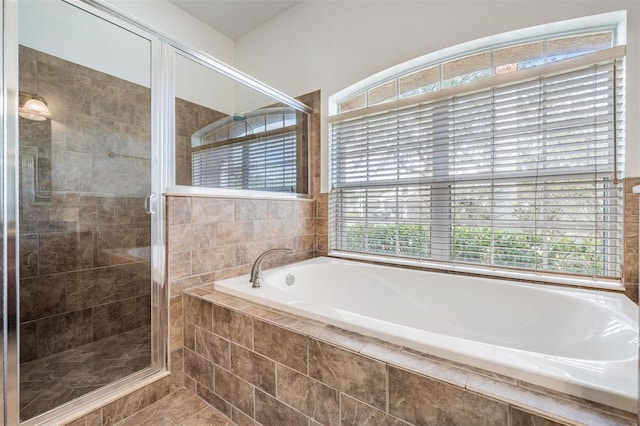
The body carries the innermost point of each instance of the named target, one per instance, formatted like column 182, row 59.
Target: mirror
column 230, row 136
column 84, row 172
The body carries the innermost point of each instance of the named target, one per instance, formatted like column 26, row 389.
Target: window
column 520, row 173
column 256, row 152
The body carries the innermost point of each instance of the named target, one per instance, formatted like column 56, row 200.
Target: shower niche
column 84, row 235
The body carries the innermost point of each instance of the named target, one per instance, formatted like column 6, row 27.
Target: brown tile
column 198, row 312
column 212, row 347
column 44, row 296
column 285, row 346
column 134, row 402
column 254, row 368
column 198, row 368
column 62, row 332
column 420, row 400
column 228, row 233
column 308, row 396
column 214, row 400
column 178, row 286
column 355, row 413
column 185, row 237
column 241, row 419
column 270, row 411
column 114, row 318
column 28, row 341
column 173, row 409
column 235, row 390
column 97, row 286
column 522, row 418
column 233, row 325
column 176, row 366
column 353, row 374
column 29, row 258
column 335, row 336
column 213, row 210
column 208, row 416
column 133, row 279
column 63, row 252
column 176, row 323
column 189, row 336
column 91, row 419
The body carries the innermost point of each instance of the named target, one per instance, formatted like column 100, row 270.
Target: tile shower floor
column 48, row 382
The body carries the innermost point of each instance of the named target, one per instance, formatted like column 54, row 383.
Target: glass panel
column 356, row 102
column 231, row 136
column 384, row 93
column 569, row 47
column 84, row 169
column 419, row 82
column 518, row 57
column 467, row 69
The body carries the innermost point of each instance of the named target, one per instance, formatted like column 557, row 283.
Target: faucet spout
column 256, row 276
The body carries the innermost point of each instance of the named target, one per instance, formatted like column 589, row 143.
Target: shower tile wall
column 81, row 277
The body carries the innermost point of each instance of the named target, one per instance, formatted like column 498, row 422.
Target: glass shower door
column 84, row 234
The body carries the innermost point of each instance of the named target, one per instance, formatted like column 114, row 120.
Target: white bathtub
column 580, row 342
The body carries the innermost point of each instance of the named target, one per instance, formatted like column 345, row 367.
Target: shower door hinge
column 147, row 204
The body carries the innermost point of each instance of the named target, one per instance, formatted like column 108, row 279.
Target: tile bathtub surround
column 284, row 369
column 631, row 242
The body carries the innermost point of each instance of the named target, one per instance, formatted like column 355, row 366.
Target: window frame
column 555, row 67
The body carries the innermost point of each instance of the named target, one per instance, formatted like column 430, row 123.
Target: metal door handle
column 147, row 204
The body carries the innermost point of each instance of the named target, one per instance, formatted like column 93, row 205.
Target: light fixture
column 35, row 108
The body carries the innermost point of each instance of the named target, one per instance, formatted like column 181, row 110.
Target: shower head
column 239, row 117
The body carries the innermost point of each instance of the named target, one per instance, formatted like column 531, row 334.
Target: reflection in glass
column 84, row 236
column 263, row 148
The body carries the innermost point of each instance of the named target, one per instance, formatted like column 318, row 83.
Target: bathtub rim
column 588, row 391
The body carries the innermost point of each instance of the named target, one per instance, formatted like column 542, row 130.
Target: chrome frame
column 163, row 49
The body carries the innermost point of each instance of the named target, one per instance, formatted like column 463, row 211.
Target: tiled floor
column 48, row 382
column 181, row 408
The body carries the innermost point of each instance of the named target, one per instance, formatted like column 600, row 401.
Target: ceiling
column 234, row 18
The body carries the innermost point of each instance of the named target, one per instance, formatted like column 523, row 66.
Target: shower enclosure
column 85, row 223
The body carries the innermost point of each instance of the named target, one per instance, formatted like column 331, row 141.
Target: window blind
column 518, row 176
column 264, row 163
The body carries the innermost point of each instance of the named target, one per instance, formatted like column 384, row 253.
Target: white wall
column 330, row 45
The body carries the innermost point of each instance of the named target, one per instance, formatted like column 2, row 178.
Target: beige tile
column 185, row 237
column 213, row 210
column 248, row 210
column 308, row 396
column 175, row 408
column 235, row 390
column 270, row 411
column 254, row 368
column 420, row 400
column 290, row 348
column 176, row 323
column 353, row 374
column 279, row 209
column 179, row 265
column 227, row 300
column 179, row 210
column 233, row 325
column 356, row 413
column 206, row 261
column 178, row 286
column 91, row 419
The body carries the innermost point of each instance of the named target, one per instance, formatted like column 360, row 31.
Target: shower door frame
column 160, row 131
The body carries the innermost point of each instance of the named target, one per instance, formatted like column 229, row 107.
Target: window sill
column 196, row 191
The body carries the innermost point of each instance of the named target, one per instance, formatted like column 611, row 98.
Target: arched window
column 505, row 161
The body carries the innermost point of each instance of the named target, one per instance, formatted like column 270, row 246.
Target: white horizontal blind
column 264, row 163
column 520, row 176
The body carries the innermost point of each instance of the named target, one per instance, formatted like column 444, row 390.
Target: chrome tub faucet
column 256, row 270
